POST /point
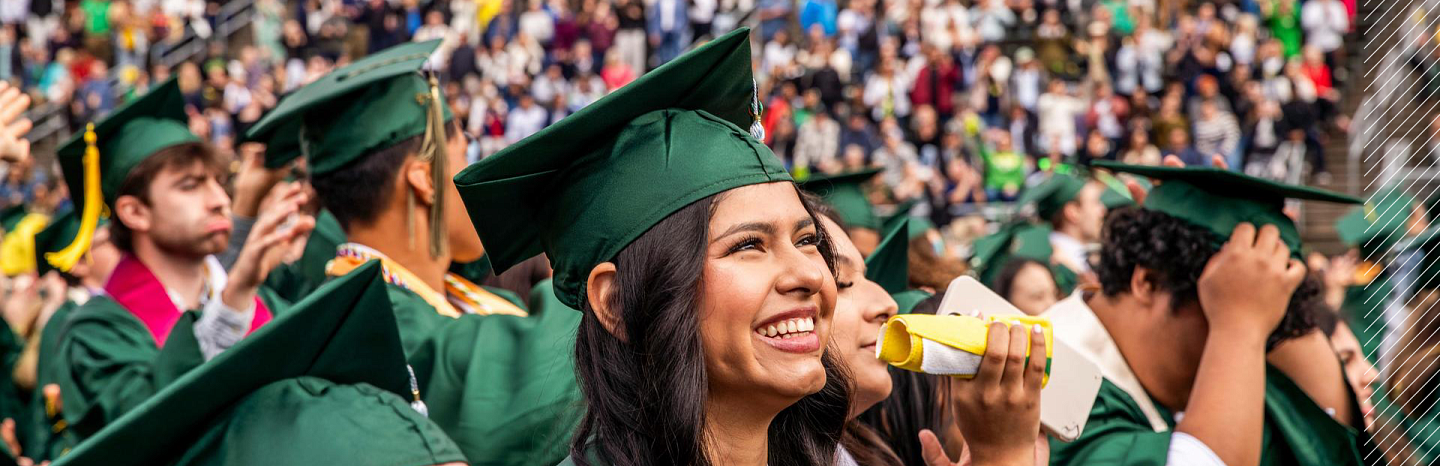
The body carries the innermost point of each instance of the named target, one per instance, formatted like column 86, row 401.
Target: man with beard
column 162, row 187
column 1194, row 372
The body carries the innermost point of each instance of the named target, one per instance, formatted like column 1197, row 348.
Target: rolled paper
column 950, row 345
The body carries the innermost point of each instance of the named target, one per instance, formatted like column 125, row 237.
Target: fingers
column 1218, row 161
column 1015, row 360
column 931, row 449
column 1137, row 192
column 1035, row 368
column 1173, row 161
column 12, row 104
column 997, row 348
column 1244, row 234
column 20, row 128
column 1268, row 240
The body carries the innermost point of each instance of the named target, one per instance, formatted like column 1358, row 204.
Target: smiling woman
column 707, row 285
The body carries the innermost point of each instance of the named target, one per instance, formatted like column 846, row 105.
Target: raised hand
column 281, row 223
column 13, row 145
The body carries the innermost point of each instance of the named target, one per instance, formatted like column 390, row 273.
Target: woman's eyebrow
column 761, row 227
column 803, row 224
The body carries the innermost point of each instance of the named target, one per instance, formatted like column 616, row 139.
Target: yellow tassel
column 90, row 213
column 433, row 148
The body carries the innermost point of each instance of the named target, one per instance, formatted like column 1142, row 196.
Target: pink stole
column 134, row 287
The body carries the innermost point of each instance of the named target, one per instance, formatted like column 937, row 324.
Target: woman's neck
column 737, row 433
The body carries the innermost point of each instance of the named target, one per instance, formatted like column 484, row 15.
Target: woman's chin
column 795, row 380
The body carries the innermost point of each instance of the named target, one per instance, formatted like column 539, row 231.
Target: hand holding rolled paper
column 950, row 345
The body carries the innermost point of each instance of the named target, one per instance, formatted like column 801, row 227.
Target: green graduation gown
column 1364, row 311
column 1297, row 432
column 49, row 436
column 502, row 386
column 108, row 363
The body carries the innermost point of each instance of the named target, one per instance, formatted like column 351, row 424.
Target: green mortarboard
column 1116, row 194
column 1379, row 224
column 56, row 236
column 344, row 332
column 1026, row 240
column 96, row 161
column 583, row 189
column 1052, row 194
column 11, row 216
column 845, row 193
column 126, row 137
column 889, row 264
column 310, row 420
column 1218, row 199
column 367, row 106
column 371, row 104
column 905, row 301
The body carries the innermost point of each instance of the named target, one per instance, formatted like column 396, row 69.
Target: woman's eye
column 750, row 244
column 809, row 240
column 844, row 285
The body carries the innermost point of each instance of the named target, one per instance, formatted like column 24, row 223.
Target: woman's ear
column 417, row 179
column 599, row 289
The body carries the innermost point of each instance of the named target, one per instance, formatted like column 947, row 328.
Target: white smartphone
column 1066, row 400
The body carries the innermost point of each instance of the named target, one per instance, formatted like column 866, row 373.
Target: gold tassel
column 90, row 213
column 433, row 150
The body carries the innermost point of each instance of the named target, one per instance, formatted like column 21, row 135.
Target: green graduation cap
column 1379, row 224
column 326, row 383
column 1052, row 194
column 55, row 237
column 1026, row 240
column 96, row 161
column 586, row 187
column 11, row 216
column 846, row 194
column 369, row 105
column 889, row 264
column 1218, row 199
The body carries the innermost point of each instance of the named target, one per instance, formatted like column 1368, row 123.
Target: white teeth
column 789, row 328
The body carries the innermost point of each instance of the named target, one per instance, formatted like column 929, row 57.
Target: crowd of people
column 636, row 232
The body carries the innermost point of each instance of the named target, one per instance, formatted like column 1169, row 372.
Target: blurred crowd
column 962, row 102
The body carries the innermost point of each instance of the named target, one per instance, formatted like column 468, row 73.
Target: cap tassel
column 757, row 129
column 432, row 149
column 417, row 404
column 90, row 213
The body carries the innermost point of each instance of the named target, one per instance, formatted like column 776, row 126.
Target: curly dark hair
column 1175, row 253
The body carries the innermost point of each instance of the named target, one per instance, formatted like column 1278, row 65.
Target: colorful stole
column 461, row 296
column 136, row 288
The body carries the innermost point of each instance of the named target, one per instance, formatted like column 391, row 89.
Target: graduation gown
column 112, row 358
column 49, row 435
column 1296, row 432
column 1126, row 427
column 108, row 363
column 502, row 386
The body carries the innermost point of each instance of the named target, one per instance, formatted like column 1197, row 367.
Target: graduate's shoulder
column 1116, row 433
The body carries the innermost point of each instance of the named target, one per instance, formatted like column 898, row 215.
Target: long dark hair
column 915, row 403
column 646, row 394
column 864, row 444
